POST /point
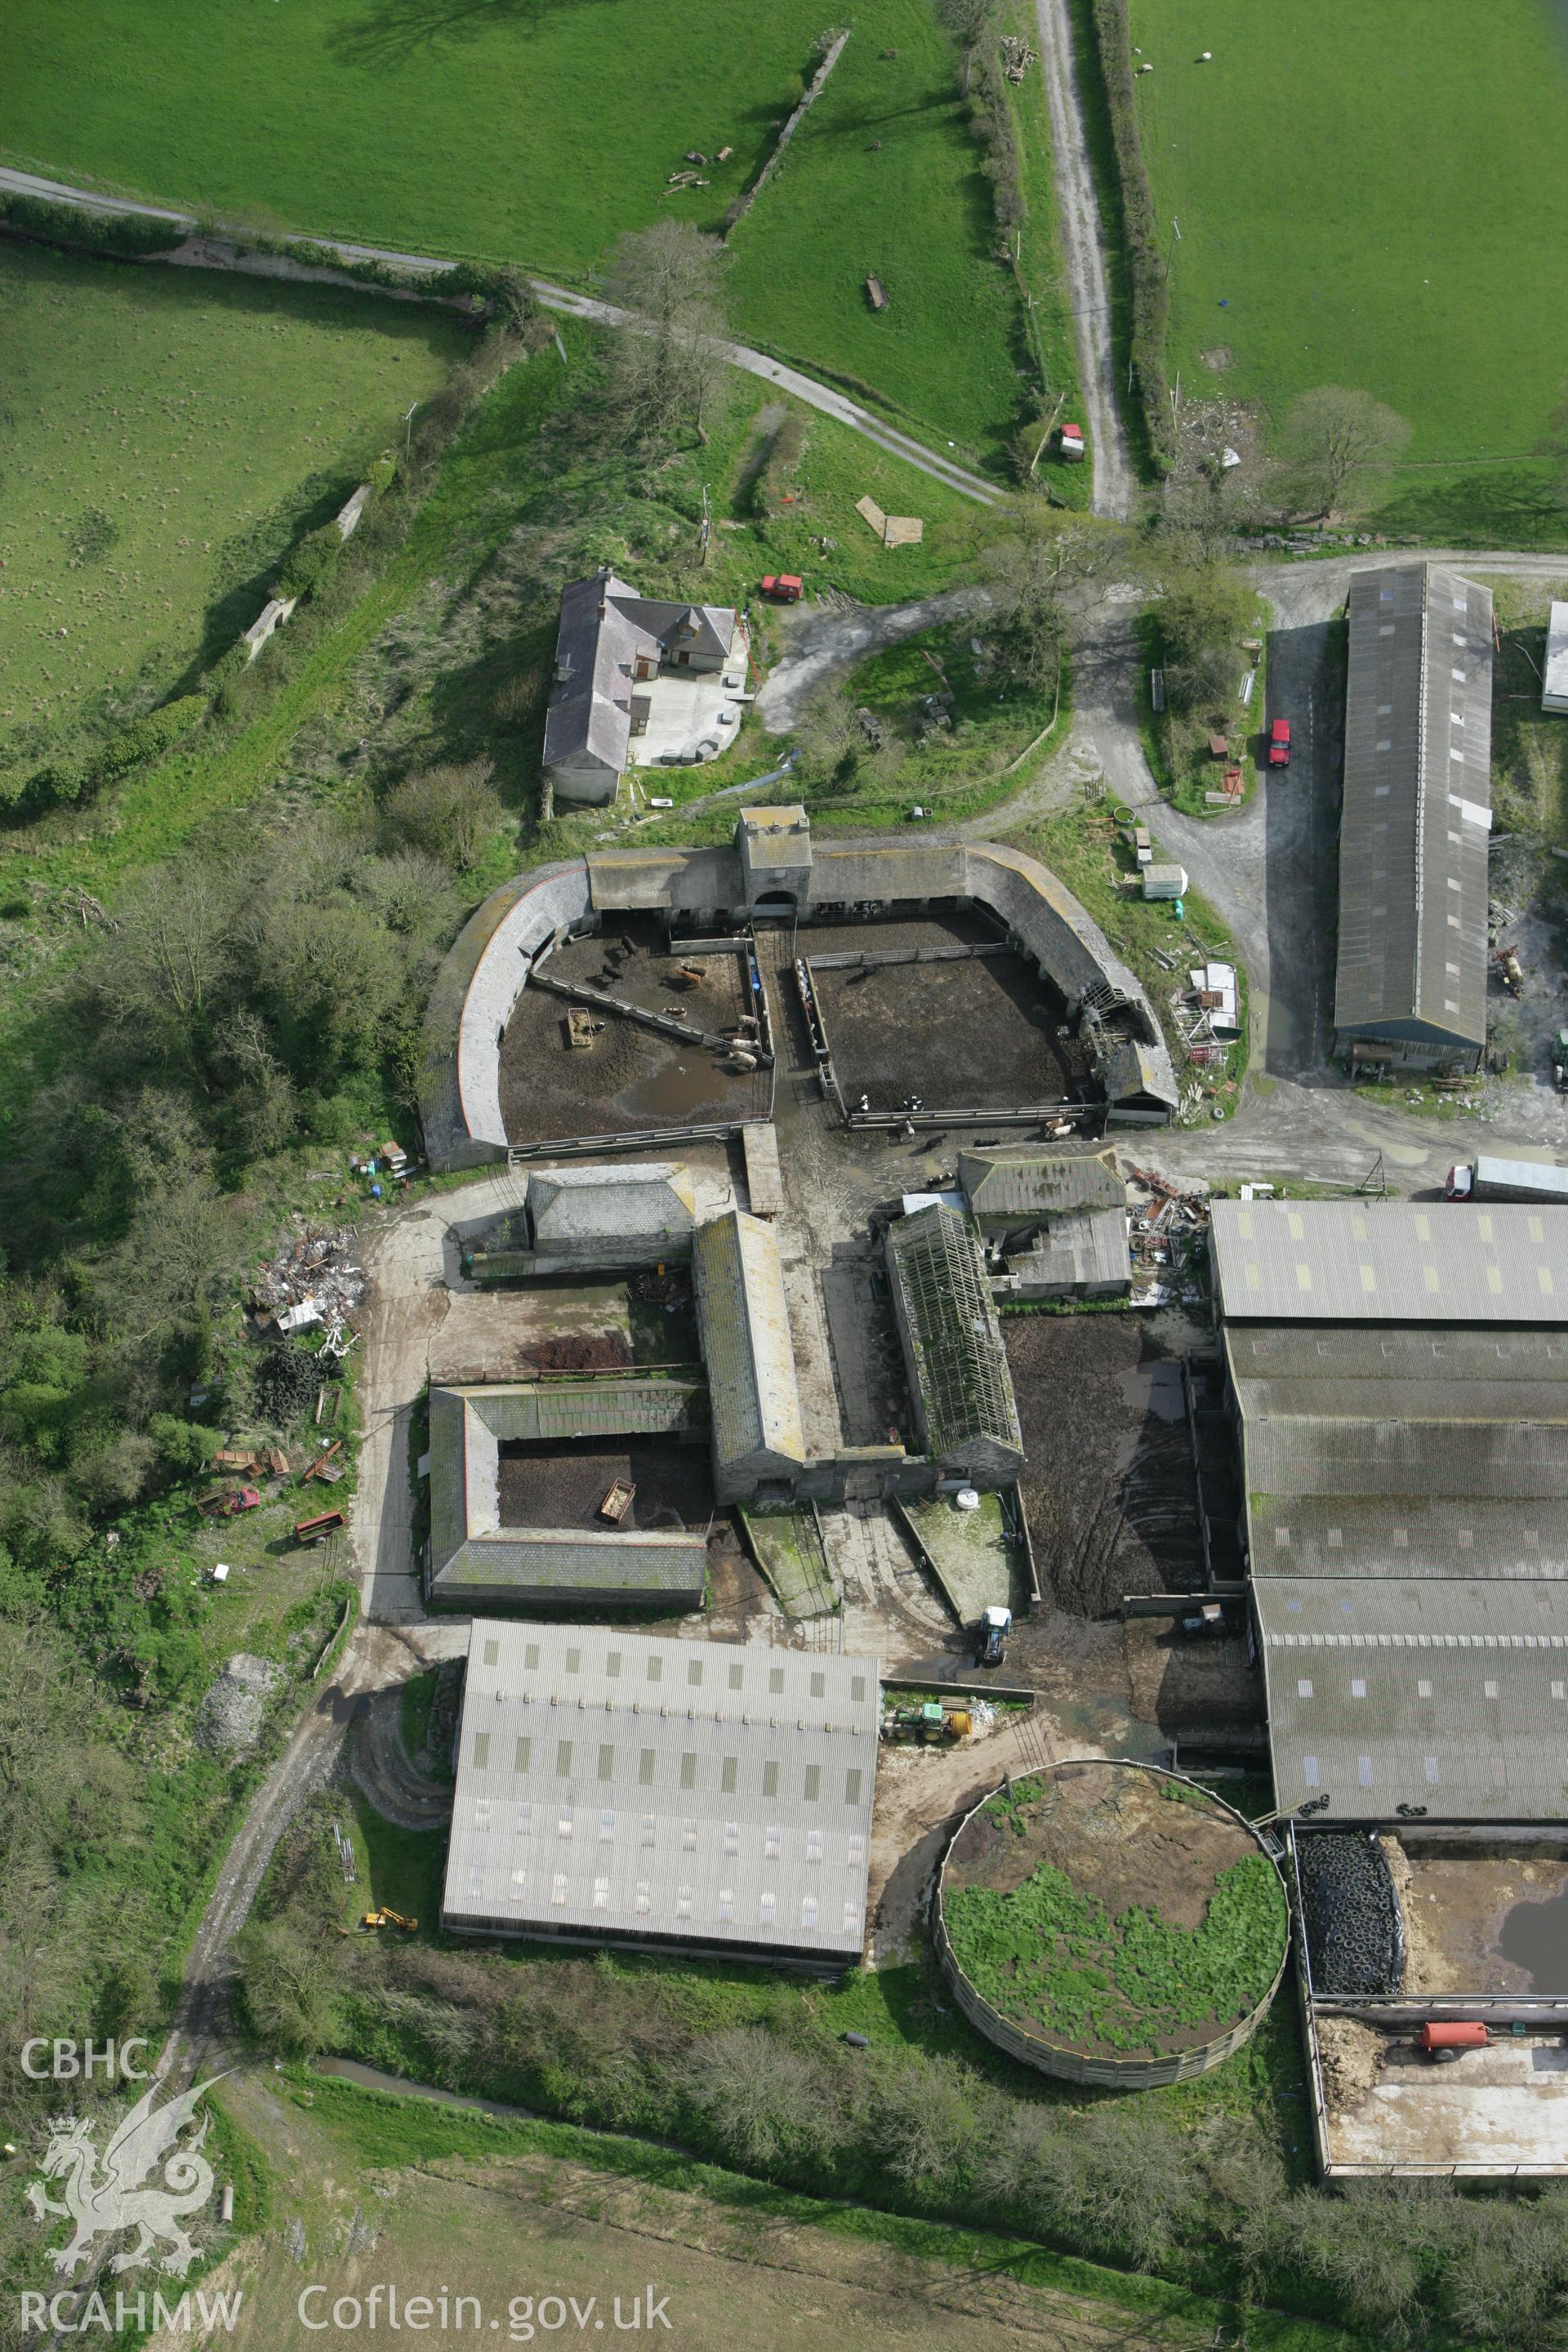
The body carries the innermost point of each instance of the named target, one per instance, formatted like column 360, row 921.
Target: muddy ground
column 979, row 1033
column 1108, row 1488
column 563, row 1486
column 1477, row 1922
column 1117, row 1835
column 631, row 1077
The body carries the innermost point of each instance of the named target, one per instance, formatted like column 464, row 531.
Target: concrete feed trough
column 1111, row 1923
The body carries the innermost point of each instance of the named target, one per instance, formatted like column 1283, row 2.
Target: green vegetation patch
column 570, row 123
column 164, row 436
column 1371, row 195
column 1058, row 1964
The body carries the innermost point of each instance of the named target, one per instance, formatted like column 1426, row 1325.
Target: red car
column 1280, row 744
column 784, row 587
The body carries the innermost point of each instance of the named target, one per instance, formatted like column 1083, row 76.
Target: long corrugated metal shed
column 1389, row 1261
column 1450, row 1695
column 621, row 1787
column 1412, row 964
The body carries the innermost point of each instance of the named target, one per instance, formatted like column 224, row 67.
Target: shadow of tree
column 393, row 32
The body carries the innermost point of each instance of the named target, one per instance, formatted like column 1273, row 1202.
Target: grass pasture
column 163, row 436
column 1371, row 195
column 536, row 133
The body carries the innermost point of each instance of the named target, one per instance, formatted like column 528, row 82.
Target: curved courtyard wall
column 487, row 968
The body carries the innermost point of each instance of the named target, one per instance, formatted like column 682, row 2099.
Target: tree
column 289, row 1988
column 447, row 812
column 1203, row 615
column 665, row 371
column 169, row 954
column 1338, row 449
column 1035, row 567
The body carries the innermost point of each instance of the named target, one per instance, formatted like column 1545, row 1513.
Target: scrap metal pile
column 1356, row 1939
column 1169, row 1239
column 315, row 1280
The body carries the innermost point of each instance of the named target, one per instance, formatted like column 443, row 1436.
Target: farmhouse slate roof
column 623, row 1786
column 1413, row 941
column 606, row 626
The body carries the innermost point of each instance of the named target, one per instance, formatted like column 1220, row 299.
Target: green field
column 1372, row 195
column 537, row 133
column 162, row 439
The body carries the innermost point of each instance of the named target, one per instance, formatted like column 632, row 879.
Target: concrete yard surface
column 971, row 1555
column 1499, row 2109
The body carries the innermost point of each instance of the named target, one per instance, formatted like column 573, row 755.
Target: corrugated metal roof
column 623, row 1783
column 1450, row 1695
column 952, row 1339
column 764, row 1177
column 1035, row 1183
column 1379, row 1535
column 650, row 1199
column 1087, row 1251
column 746, row 1342
column 1417, row 799
column 1390, row 1261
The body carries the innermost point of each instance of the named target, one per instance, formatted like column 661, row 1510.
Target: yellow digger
column 385, row 1918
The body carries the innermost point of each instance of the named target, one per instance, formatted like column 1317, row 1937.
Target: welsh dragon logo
column 105, row 2199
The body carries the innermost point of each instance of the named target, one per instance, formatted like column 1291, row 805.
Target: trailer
column 1507, row 1179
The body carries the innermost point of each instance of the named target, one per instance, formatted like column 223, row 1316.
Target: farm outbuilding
column 957, row 1366
column 1399, row 1383
column 1410, row 975
column 743, row 1320
column 630, row 1789
column 578, row 1220
column 1058, row 1220
column 477, row 1560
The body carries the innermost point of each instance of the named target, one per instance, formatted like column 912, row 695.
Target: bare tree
column 1338, row 449
column 664, row 372
column 1036, row 566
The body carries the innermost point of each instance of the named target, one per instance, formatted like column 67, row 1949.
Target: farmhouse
column 957, row 1365
column 620, row 1789
column 1410, row 984
column 1400, row 1383
column 613, row 649
column 576, row 1220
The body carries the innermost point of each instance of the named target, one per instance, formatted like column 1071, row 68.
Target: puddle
column 676, row 1092
column 1154, row 1388
column 1535, row 1937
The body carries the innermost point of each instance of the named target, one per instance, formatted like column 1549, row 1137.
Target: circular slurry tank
column 1111, row 1923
